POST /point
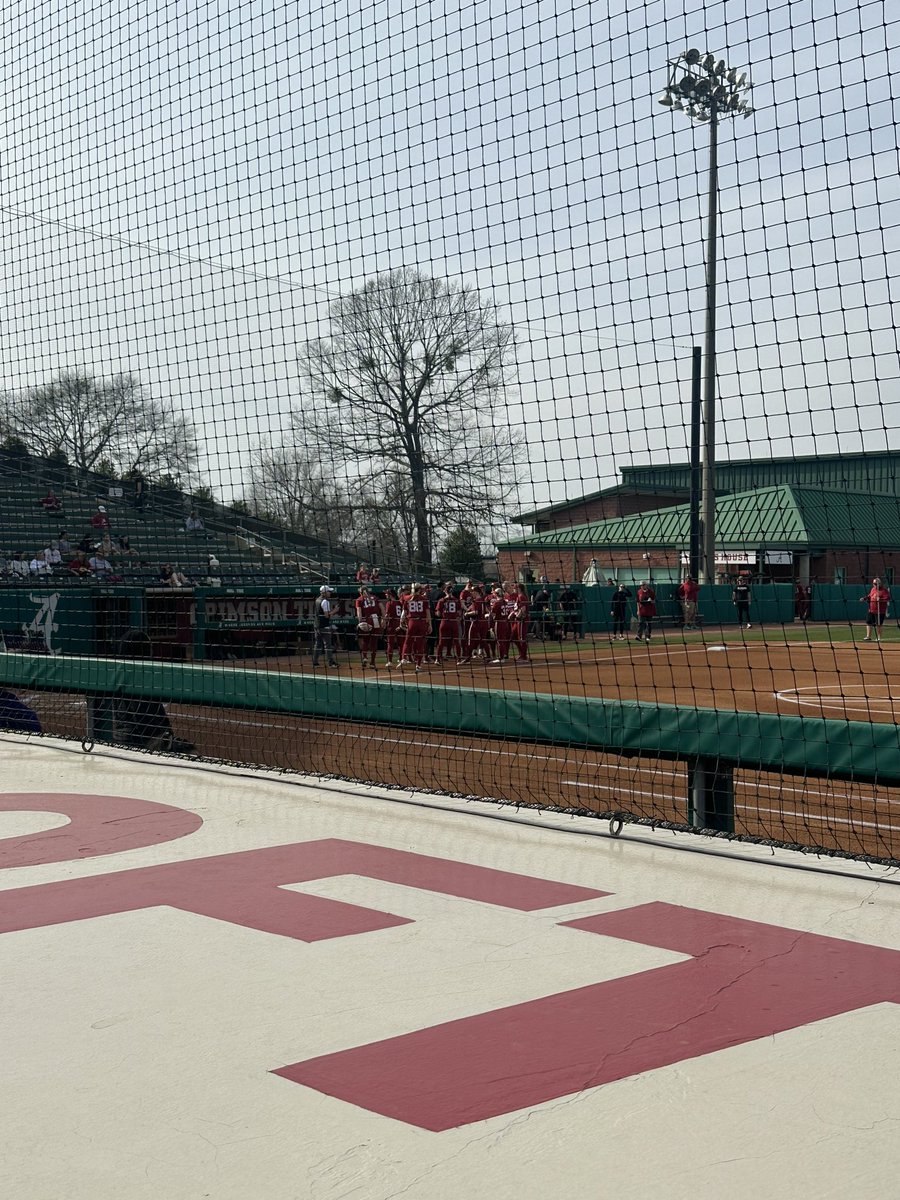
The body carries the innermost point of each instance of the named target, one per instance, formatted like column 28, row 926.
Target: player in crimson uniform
column 878, row 601
column 368, row 612
column 521, row 620
column 417, row 619
column 393, row 620
column 477, row 619
column 448, row 611
column 501, row 611
column 687, row 598
column 466, row 594
column 646, row 606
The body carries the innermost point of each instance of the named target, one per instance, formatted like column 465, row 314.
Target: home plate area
column 224, row 984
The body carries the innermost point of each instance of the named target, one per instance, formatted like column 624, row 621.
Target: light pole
column 706, row 89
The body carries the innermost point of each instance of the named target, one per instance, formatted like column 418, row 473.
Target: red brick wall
column 604, row 508
column 557, row 564
column 861, row 565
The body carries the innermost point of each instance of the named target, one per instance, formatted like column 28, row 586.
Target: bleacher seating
column 157, row 535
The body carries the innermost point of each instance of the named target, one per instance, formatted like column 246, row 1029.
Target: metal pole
column 696, row 413
column 708, row 485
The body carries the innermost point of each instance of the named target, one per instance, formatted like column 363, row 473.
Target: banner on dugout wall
column 730, row 558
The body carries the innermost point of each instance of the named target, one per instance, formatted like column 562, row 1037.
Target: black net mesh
column 492, row 399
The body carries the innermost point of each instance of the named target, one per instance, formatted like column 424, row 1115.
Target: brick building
column 779, row 533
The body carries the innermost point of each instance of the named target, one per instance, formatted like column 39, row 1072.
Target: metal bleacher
column 156, row 533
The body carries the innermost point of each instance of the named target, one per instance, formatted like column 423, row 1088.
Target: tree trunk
column 420, row 515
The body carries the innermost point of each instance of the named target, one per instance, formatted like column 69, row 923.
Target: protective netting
column 584, row 321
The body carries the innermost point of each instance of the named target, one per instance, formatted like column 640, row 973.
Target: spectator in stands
column 19, row 567
column 363, row 575
column 123, row 546
column 51, row 503
column 52, row 557
column 100, row 519
column 193, row 522
column 376, row 575
column 78, row 565
column 37, row 566
column 178, row 579
column 86, row 545
column 105, row 545
column 213, row 568
column 100, row 565
column 4, row 566
column 63, row 545
column 165, row 573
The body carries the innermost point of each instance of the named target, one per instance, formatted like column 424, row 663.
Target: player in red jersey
column 448, row 611
column 466, row 594
column 368, row 625
column 521, row 620
column 417, row 618
column 878, row 600
column 393, row 621
column 477, row 637
column 500, row 623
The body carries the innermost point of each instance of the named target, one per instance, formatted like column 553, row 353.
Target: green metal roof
column 877, row 471
column 794, row 518
column 618, row 489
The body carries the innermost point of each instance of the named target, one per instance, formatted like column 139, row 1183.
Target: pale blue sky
column 518, row 147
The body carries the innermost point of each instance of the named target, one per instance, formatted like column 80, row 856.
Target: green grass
column 718, row 634
column 799, row 633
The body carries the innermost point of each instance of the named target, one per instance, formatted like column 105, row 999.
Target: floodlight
column 742, row 81
column 709, row 63
column 666, row 99
column 691, row 56
column 732, row 75
column 701, row 87
column 748, row 111
column 701, row 114
column 686, row 85
column 721, row 67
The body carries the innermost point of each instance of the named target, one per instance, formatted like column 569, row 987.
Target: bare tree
column 412, row 381
column 371, row 518
column 100, row 420
column 289, row 488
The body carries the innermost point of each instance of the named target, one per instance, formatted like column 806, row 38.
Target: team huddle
column 476, row 623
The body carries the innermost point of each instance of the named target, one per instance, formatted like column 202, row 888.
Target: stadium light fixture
column 707, row 90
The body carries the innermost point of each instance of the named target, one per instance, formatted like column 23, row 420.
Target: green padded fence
column 858, row 750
